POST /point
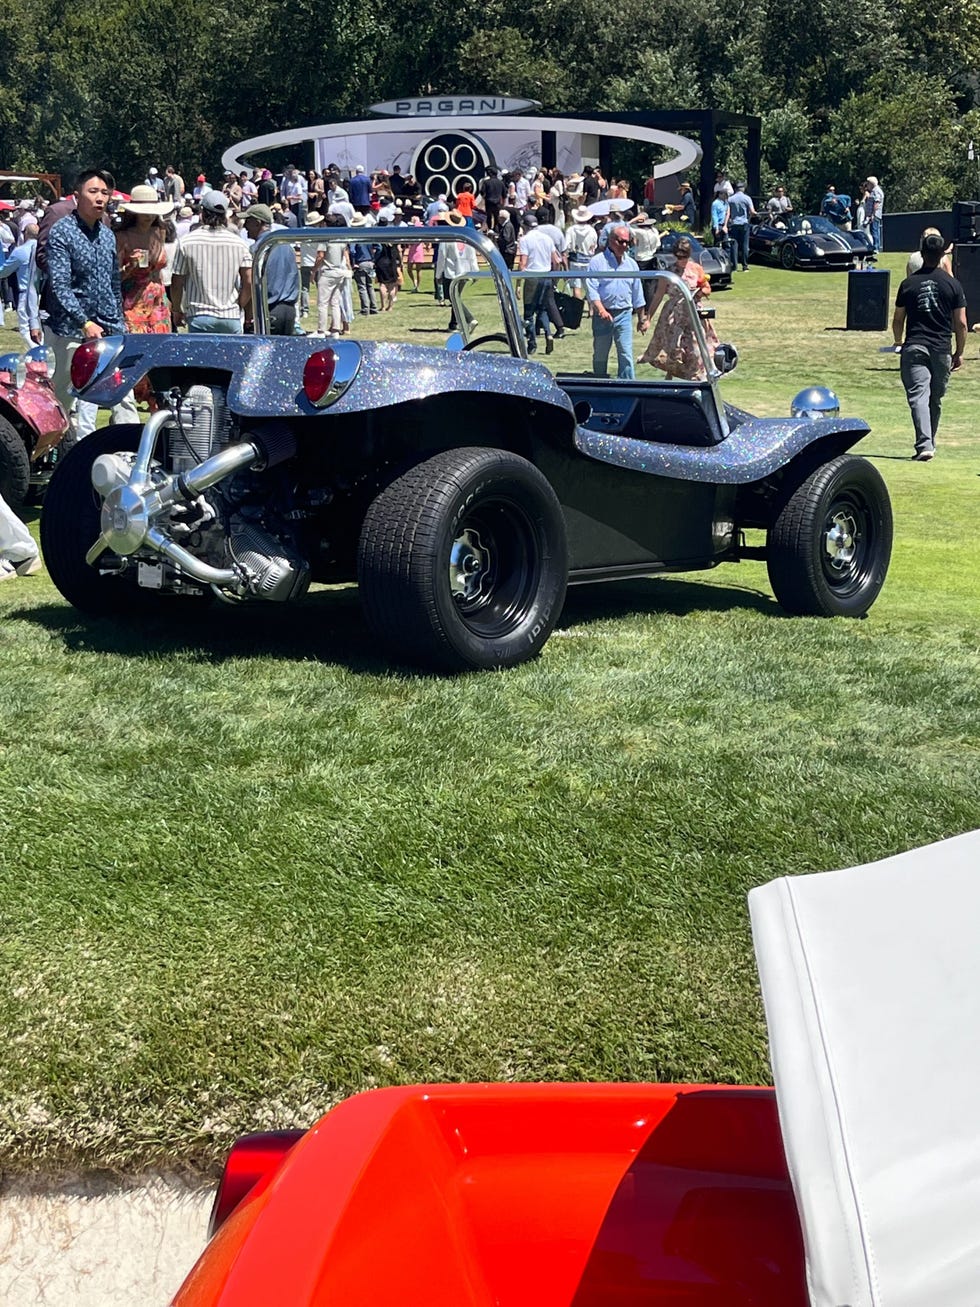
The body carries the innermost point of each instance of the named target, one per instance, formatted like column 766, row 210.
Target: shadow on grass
column 328, row 626
column 675, row 598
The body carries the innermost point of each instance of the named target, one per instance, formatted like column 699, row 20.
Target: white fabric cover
column 871, row 983
column 16, row 543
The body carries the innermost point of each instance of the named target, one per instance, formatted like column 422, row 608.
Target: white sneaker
column 29, row 567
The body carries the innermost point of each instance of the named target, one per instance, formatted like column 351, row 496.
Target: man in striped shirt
column 212, row 280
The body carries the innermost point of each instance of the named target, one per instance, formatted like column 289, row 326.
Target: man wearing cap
column 154, row 179
column 212, row 277
column 82, row 296
column 687, row 209
column 200, row 186
column 281, row 279
column 613, row 301
column 930, row 307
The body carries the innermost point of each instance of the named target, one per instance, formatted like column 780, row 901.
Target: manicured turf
column 248, row 867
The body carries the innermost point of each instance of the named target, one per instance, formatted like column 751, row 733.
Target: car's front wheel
column 15, row 465
column 829, row 547
column 787, row 256
column 463, row 561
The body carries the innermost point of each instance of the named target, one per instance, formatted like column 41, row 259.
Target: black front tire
column 463, row 561
column 70, row 526
column 15, row 466
column 787, row 256
column 828, row 549
column 55, row 456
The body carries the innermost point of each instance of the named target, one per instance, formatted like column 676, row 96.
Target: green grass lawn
column 247, row 867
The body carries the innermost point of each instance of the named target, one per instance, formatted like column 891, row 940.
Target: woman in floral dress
column 673, row 347
column 140, row 240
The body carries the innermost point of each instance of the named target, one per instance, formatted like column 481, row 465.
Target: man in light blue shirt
column 740, row 211
column 613, row 301
column 21, row 266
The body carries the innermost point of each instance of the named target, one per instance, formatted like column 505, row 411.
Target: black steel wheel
column 15, row 466
column 463, row 561
column 70, row 526
column 829, row 547
column 787, row 255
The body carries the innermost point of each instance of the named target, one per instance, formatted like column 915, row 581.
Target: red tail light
column 318, row 375
column 85, row 363
column 253, row 1158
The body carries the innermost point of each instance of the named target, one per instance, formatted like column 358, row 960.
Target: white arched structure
column 688, row 152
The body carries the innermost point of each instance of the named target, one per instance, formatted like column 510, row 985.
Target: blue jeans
column 739, row 232
column 604, row 335
column 876, row 233
column 207, row 323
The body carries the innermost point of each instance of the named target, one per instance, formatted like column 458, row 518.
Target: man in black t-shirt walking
column 930, row 306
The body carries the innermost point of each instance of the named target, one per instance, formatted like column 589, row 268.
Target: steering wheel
column 484, row 340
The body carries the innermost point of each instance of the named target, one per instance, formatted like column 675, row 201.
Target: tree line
column 844, row 87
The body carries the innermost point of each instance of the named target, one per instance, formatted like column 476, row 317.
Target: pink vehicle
column 33, row 426
column 856, row 1181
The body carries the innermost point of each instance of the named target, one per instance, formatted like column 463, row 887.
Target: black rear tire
column 70, row 526
column 463, row 561
column 829, row 547
column 15, row 466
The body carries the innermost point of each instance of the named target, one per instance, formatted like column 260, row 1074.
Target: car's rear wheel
column 787, row 256
column 463, row 561
column 15, row 465
column 829, row 547
column 70, row 525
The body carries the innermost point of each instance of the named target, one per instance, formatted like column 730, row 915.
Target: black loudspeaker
column 966, row 270
column 867, row 299
column 966, row 221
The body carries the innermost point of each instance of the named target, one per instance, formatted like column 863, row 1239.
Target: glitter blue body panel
column 265, row 380
column 266, row 372
column 753, row 450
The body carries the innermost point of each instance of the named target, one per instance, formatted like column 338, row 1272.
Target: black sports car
column 809, row 241
column 712, row 258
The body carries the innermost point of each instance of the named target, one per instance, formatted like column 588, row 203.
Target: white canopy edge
column 871, row 984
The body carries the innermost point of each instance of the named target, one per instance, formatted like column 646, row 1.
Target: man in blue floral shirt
column 82, row 296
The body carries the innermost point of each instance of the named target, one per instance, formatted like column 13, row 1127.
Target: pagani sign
column 452, row 106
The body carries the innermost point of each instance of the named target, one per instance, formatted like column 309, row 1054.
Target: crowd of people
column 168, row 256
column 174, row 256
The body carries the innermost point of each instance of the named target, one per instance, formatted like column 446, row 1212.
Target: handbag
column 570, row 308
